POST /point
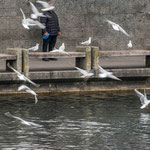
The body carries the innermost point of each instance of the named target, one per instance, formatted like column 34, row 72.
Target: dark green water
column 75, row 122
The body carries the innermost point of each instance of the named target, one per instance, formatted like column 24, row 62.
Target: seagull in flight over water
column 105, row 74
column 143, row 98
column 36, row 13
column 47, row 6
column 22, row 77
column 8, row 114
column 86, row 74
column 28, row 90
column 117, row 27
column 35, row 48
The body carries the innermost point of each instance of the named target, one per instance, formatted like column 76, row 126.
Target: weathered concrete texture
column 80, row 19
column 77, row 86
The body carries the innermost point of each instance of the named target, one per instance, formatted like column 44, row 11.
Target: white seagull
column 46, row 6
column 28, row 90
column 117, row 27
column 87, row 42
column 8, row 114
column 105, row 74
column 35, row 48
column 130, row 44
column 26, row 22
column 143, row 98
column 60, row 50
column 22, row 77
column 86, row 74
column 36, row 13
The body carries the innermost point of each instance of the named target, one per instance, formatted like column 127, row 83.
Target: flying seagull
column 117, row 27
column 87, row 42
column 8, row 114
column 26, row 22
column 22, row 77
column 28, row 90
column 36, row 13
column 46, row 6
column 143, row 98
column 35, row 48
column 60, row 50
column 105, row 74
column 84, row 73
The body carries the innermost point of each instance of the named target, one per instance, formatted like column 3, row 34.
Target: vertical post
column 17, row 64
column 25, row 62
column 95, row 59
column 147, row 61
column 85, row 62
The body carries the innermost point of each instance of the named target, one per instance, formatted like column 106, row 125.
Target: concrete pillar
column 25, row 62
column 17, row 64
column 95, row 59
column 85, row 62
column 147, row 47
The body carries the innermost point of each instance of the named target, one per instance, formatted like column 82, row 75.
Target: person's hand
column 59, row 33
column 46, row 33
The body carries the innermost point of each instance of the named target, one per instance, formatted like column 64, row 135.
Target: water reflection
column 76, row 122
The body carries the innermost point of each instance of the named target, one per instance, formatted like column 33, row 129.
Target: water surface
column 75, row 122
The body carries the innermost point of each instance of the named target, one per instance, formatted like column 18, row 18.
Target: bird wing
column 40, row 25
column 54, row 51
column 24, row 17
column 101, row 70
column 32, row 48
column 36, row 100
column 17, row 72
column 140, row 95
column 44, row 4
column 34, row 9
column 123, row 31
column 84, row 43
column 8, row 114
column 30, row 22
column 81, row 71
column 23, row 87
column 113, row 77
column 145, row 96
column 28, row 80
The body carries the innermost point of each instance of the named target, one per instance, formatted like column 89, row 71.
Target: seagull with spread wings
column 46, row 6
column 35, row 11
column 105, row 74
column 22, row 76
column 28, row 90
column 8, row 114
column 117, row 27
column 143, row 98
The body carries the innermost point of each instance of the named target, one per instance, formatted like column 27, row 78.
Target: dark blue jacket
column 51, row 22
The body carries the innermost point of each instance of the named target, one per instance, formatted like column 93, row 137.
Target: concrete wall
column 80, row 19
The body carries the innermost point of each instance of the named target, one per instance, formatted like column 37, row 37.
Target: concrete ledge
column 108, row 53
column 55, row 55
column 74, row 74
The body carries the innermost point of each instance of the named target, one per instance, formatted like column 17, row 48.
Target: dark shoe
column 45, row 59
column 54, row 59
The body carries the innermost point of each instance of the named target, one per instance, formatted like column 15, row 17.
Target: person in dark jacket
column 51, row 31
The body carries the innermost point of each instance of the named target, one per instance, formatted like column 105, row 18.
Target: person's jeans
column 51, row 41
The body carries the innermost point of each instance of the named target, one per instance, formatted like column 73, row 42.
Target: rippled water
column 75, row 122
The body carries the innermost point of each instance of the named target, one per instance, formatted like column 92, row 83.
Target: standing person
column 51, row 31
